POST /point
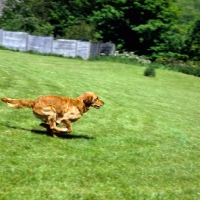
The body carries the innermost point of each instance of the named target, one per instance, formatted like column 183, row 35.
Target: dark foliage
column 154, row 28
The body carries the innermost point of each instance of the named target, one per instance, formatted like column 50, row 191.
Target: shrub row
column 190, row 68
column 170, row 64
column 195, row 71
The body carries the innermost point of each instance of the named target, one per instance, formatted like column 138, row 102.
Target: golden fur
column 54, row 110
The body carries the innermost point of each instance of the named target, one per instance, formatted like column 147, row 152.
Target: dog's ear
column 88, row 100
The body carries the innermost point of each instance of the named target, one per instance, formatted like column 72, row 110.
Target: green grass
column 144, row 143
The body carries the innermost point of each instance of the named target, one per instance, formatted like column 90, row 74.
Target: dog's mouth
column 97, row 107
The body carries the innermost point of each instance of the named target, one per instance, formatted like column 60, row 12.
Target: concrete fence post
column 1, row 36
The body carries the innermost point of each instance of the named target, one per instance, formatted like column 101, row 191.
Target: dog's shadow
column 59, row 135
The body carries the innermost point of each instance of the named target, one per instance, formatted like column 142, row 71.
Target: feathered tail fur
column 15, row 103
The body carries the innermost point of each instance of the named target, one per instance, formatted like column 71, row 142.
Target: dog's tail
column 15, row 103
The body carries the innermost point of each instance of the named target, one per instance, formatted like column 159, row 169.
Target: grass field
column 144, row 143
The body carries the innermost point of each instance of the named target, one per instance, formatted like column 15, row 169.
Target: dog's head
column 90, row 99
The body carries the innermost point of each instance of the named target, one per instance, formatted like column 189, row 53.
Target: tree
column 136, row 25
column 143, row 26
column 193, row 40
column 27, row 15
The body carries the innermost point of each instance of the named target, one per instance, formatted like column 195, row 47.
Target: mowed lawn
column 144, row 143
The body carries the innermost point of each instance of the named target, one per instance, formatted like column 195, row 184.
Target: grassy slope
column 143, row 144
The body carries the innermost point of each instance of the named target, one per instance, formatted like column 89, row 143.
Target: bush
column 150, row 71
column 82, row 31
column 125, row 57
column 133, row 57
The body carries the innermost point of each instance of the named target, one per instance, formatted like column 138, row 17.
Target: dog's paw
column 64, row 129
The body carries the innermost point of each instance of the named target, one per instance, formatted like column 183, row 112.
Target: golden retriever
column 54, row 110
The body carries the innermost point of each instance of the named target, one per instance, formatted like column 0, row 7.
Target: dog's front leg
column 67, row 124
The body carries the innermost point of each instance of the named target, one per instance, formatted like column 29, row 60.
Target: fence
column 70, row 48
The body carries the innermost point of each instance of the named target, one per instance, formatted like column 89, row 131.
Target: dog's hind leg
column 49, row 131
column 52, row 124
column 48, row 115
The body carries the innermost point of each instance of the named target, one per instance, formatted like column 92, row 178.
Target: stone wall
column 43, row 44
